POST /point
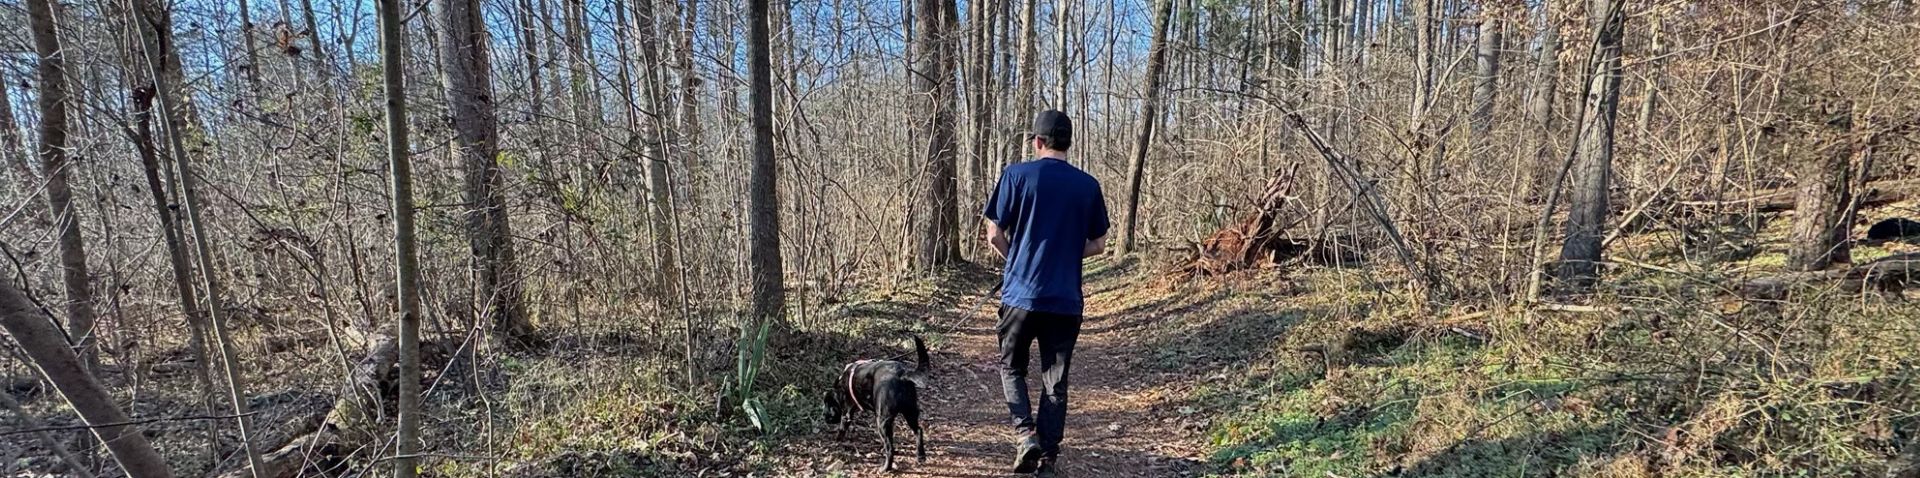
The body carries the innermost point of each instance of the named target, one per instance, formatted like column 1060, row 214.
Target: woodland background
column 201, row 195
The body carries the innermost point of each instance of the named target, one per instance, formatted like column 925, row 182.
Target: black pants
column 1056, row 333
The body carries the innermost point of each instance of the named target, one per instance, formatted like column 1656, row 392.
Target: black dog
column 888, row 388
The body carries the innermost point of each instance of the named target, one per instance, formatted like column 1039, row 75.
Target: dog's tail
column 925, row 361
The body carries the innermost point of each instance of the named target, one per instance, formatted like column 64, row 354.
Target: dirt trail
column 1119, row 422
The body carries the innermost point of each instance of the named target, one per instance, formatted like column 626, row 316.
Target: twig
column 125, row 423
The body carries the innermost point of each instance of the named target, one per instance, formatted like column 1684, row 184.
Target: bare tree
column 1029, row 52
column 1062, row 8
column 1486, row 75
column 763, row 201
column 11, row 151
column 406, row 255
column 1540, row 97
column 980, row 103
column 48, row 349
column 470, row 103
column 1587, row 204
column 939, row 226
column 252, row 69
column 150, row 162
column 1149, row 114
column 53, row 105
column 689, row 103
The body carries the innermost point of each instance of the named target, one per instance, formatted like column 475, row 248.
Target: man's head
column 1052, row 134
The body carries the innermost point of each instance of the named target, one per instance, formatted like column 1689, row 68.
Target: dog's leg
column 886, row 443
column 844, row 420
column 919, row 437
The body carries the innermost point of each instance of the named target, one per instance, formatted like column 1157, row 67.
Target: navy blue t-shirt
column 1049, row 210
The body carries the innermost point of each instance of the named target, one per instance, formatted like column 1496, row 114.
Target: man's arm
column 1095, row 246
column 998, row 238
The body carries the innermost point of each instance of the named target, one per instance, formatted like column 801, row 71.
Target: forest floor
column 1291, row 371
column 1124, row 421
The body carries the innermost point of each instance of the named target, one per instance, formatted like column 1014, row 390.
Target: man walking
column 1044, row 217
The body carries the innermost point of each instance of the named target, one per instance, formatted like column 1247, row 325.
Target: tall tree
column 1061, row 9
column 1820, row 225
column 48, row 349
column 1540, row 96
column 1486, row 76
column 1029, row 51
column 53, row 149
column 1656, row 69
column 689, row 100
column 982, row 14
column 144, row 64
column 654, row 137
column 1149, row 114
column 1587, row 203
column 1423, row 72
column 11, row 151
column 763, row 200
column 470, row 103
column 251, row 71
column 406, row 257
column 939, row 226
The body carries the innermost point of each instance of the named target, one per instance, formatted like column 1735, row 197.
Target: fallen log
column 352, row 422
column 1891, row 274
column 1254, row 241
column 1781, row 200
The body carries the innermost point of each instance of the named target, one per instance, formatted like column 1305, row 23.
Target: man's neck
column 1053, row 155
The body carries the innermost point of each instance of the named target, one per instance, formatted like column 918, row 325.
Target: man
column 1044, row 217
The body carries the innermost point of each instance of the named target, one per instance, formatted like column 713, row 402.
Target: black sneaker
column 1026, row 457
column 1050, row 468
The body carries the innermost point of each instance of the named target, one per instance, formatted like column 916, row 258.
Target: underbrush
column 599, row 407
column 1686, row 382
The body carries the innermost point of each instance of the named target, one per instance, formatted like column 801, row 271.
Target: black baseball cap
column 1053, row 124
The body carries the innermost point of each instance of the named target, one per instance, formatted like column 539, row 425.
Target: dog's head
column 835, row 407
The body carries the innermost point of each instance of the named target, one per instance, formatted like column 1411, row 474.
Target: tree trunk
column 1546, row 82
column 982, row 104
column 1486, row 79
column 690, row 107
column 252, row 69
column 470, row 103
column 1587, row 204
column 1029, row 52
column 406, row 258
column 763, row 202
column 170, row 232
column 1149, row 114
column 653, row 135
column 1060, row 11
column 1296, row 44
column 11, row 151
column 1423, row 51
column 52, row 103
column 1656, row 68
column 581, row 73
column 322, row 63
column 50, row 353
column 1820, row 228
column 938, row 229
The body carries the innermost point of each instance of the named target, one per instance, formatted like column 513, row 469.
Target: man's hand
column 1095, row 246
column 998, row 239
